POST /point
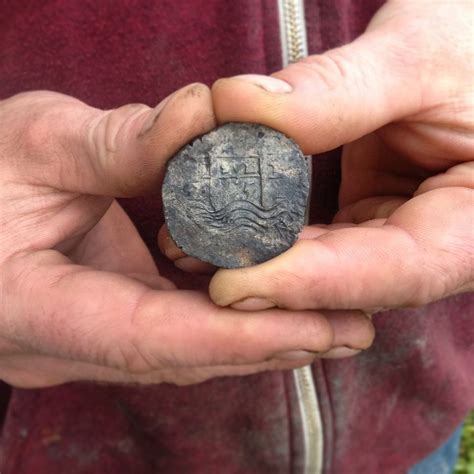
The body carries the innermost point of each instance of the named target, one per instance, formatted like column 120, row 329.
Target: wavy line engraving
column 244, row 214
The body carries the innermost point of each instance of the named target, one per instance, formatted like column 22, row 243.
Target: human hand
column 401, row 98
column 81, row 298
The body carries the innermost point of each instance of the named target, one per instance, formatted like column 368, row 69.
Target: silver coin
column 236, row 196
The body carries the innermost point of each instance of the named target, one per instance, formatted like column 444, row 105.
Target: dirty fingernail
column 253, row 304
column 268, row 83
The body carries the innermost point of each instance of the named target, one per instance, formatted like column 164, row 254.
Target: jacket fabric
column 382, row 411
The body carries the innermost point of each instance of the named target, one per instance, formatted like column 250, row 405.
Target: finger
column 315, row 231
column 353, row 333
column 352, row 330
column 369, row 168
column 330, row 99
column 458, row 176
column 380, row 207
column 167, row 245
column 68, row 311
column 423, row 252
column 180, row 259
column 38, row 371
column 122, row 152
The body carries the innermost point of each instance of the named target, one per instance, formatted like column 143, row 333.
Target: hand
column 401, row 98
column 81, row 298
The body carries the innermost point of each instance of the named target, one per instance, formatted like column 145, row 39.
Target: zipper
column 294, row 46
column 311, row 420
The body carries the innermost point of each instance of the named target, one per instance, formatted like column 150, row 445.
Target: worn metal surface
column 237, row 195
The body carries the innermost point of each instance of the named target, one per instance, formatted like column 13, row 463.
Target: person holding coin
column 122, row 356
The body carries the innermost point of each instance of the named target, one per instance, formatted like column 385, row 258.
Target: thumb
column 329, row 99
column 122, row 152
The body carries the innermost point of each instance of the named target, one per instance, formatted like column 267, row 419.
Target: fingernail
column 294, row 355
column 253, row 304
column 340, row 353
column 187, row 264
column 171, row 250
column 268, row 83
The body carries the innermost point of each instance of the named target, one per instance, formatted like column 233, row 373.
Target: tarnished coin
column 236, row 196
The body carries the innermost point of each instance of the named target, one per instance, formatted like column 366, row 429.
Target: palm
column 398, row 185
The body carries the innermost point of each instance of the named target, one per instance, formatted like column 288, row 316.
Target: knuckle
column 39, row 133
column 114, row 138
column 36, row 135
column 290, row 288
column 333, row 69
column 236, row 344
column 44, row 118
column 318, row 329
column 27, row 129
column 129, row 357
column 243, row 340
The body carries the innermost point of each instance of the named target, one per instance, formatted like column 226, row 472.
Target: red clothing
column 382, row 411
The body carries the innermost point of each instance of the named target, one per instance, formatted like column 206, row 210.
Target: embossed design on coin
column 237, row 195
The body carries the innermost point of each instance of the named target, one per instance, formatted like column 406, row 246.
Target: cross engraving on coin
column 236, row 196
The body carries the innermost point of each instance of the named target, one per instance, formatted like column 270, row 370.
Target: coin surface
column 236, row 196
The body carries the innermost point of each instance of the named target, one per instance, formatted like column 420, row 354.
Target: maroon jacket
column 382, row 411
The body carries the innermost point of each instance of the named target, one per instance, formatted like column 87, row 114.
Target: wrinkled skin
column 400, row 98
column 81, row 297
